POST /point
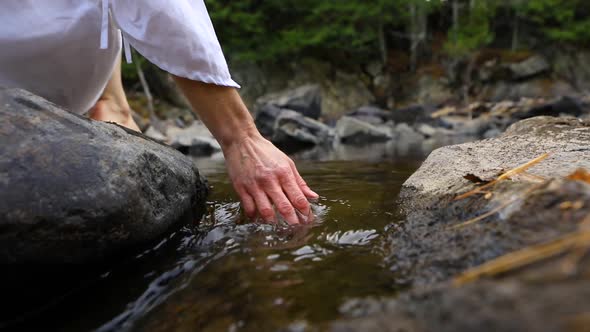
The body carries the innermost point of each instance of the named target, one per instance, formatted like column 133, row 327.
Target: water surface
column 226, row 274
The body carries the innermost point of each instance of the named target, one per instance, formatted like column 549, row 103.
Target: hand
column 262, row 175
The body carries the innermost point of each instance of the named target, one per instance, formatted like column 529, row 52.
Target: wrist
column 233, row 137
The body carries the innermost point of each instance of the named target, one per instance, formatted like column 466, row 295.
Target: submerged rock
column 77, row 190
column 427, row 249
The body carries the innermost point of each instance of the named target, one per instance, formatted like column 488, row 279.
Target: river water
column 226, row 274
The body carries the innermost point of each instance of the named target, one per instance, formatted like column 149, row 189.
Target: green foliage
column 561, row 20
column 472, row 30
column 349, row 30
column 129, row 70
column 280, row 29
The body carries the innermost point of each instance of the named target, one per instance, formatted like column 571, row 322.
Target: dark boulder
column 265, row 119
column 414, row 114
column 563, row 106
column 77, row 190
column 306, row 99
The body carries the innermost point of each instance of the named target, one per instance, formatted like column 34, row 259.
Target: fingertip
column 290, row 216
column 310, row 193
column 248, row 205
column 292, row 220
column 302, row 204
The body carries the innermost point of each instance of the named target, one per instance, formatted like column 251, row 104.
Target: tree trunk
column 382, row 44
column 413, row 38
column 455, row 19
column 418, row 32
column 154, row 121
column 163, row 87
column 515, row 32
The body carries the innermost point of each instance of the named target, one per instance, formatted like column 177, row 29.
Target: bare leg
column 112, row 106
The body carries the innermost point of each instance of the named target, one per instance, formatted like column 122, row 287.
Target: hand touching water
column 264, row 176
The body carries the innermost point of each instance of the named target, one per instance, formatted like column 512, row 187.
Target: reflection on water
column 225, row 274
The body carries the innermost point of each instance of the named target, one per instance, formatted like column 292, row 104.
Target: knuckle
column 283, row 171
column 301, row 202
column 266, row 212
column 250, row 212
column 262, row 176
column 285, row 207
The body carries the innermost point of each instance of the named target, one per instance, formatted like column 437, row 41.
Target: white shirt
column 65, row 50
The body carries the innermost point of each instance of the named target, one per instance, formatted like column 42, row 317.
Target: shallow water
column 225, row 274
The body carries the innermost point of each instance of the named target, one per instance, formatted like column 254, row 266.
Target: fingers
column 263, row 205
column 282, row 187
column 248, row 203
column 294, row 193
column 283, row 205
column 302, row 184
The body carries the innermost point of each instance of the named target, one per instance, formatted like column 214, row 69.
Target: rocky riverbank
column 294, row 121
column 74, row 190
column 510, row 256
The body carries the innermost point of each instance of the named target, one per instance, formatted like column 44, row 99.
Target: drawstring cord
column 104, row 33
column 104, row 27
column 127, row 49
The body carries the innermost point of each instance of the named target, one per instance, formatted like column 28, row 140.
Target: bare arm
column 262, row 175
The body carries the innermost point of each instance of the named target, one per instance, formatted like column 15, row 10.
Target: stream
column 225, row 274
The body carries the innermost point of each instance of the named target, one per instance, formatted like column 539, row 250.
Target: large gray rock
column 77, row 190
column 355, row 131
column 403, row 132
column 293, row 130
column 265, row 118
column 195, row 139
column 306, row 99
column 532, row 66
column 426, row 251
column 540, row 87
column 371, row 114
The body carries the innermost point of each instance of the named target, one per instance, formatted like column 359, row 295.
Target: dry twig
column 518, row 170
column 579, row 240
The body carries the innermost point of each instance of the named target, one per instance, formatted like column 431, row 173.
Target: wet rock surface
column 432, row 246
column 77, row 190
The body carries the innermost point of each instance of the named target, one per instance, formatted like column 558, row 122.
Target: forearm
column 221, row 109
column 262, row 175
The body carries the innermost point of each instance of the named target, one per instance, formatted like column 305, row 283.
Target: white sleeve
column 177, row 36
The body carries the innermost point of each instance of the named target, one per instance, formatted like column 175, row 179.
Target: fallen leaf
column 580, row 175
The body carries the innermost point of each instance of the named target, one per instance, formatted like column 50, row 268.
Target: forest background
column 266, row 41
